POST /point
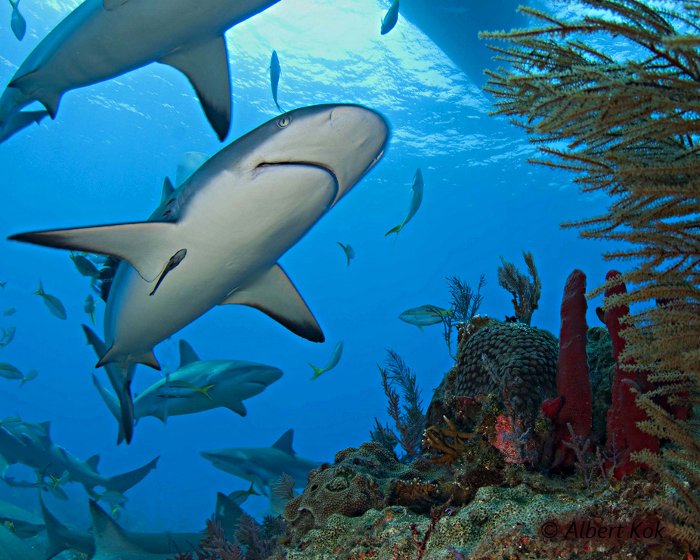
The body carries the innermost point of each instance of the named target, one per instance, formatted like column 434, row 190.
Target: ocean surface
column 103, row 160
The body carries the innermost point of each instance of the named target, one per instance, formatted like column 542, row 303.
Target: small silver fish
column 348, row 250
column 424, row 315
column 89, row 307
column 335, row 358
column 84, row 265
column 275, row 72
column 52, row 302
column 415, row 203
column 390, row 18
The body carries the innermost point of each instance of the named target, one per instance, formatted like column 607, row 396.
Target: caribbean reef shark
column 197, row 385
column 23, row 523
column 102, row 39
column 30, row 444
column 14, row 548
column 454, row 27
column 217, row 239
column 263, row 465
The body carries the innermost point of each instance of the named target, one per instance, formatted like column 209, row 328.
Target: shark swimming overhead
column 218, row 238
column 102, row 39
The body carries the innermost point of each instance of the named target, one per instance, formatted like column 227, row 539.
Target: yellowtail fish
column 52, row 302
column 335, row 358
column 424, row 315
column 416, row 200
column 348, row 250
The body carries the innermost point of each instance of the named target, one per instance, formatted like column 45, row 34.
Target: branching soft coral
column 408, row 418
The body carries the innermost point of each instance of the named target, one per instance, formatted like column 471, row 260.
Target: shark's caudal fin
column 274, row 294
column 60, row 538
column 122, row 482
column 120, row 379
column 206, row 66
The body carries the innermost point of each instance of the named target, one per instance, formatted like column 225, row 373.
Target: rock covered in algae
column 500, row 523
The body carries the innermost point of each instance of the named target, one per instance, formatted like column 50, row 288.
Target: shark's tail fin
column 120, row 379
column 60, row 538
column 113, row 405
column 122, row 482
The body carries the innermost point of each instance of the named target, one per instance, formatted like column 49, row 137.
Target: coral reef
column 626, row 121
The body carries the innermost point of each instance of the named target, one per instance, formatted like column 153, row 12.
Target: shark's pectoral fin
column 274, row 294
column 49, row 99
column 238, row 407
column 206, row 66
column 110, row 5
column 147, row 246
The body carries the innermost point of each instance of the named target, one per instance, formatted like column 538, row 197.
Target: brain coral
column 524, row 364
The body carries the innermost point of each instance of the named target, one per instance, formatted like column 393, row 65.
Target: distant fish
column 275, row 72
column 348, row 250
column 335, row 358
column 3, row 284
column 188, row 164
column 89, row 307
column 8, row 371
column 84, row 265
column 415, row 203
column 238, row 497
column 7, row 336
column 17, row 21
column 9, row 311
column 30, row 376
column 390, row 18
column 52, row 302
column 424, row 315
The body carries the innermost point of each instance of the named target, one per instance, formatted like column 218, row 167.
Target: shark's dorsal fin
column 284, row 443
column 93, row 461
column 187, row 354
column 168, row 190
column 147, row 246
column 111, row 541
column 206, row 66
column 274, row 294
column 110, row 5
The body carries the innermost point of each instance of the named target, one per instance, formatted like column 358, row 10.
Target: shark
column 263, row 465
column 12, row 547
column 218, row 238
column 197, row 385
column 30, row 444
column 102, row 39
column 454, row 27
column 23, row 523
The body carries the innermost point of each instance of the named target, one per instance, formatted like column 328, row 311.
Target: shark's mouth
column 314, row 164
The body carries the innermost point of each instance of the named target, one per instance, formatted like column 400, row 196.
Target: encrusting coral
column 629, row 124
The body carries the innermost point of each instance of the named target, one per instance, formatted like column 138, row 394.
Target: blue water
column 104, row 158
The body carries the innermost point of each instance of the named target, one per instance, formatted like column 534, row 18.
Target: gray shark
column 197, row 385
column 263, row 465
column 22, row 522
column 60, row 538
column 218, row 238
column 14, row 548
column 102, row 39
column 454, row 27
column 30, row 444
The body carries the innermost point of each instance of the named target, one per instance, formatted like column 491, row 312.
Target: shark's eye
column 284, row 121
